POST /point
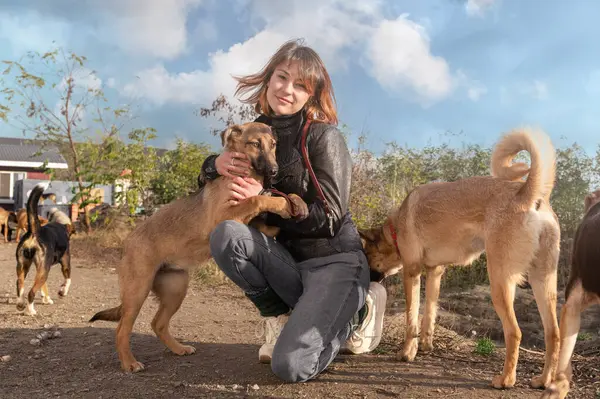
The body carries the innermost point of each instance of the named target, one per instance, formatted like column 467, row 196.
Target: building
column 19, row 161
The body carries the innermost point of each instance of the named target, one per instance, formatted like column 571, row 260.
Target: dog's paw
column 409, row 352
column 540, row 382
column 558, row 389
column 426, row 343
column 64, row 288
column 185, row 350
column 300, row 208
column 30, row 310
column 47, row 300
column 503, row 382
column 20, row 304
column 133, row 367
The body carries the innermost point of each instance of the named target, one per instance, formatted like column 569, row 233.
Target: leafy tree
column 55, row 97
column 178, row 171
column 140, row 163
column 227, row 113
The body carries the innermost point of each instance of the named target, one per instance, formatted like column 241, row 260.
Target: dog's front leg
column 432, row 294
column 412, row 287
column 253, row 206
column 45, row 295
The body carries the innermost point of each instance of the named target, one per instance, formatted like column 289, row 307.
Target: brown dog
column 159, row 253
column 22, row 222
column 42, row 246
column 583, row 290
column 5, row 217
column 442, row 224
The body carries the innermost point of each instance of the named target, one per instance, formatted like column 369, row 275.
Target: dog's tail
column 540, row 182
column 33, row 222
column 112, row 314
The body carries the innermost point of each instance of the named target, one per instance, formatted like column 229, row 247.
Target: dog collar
column 394, row 236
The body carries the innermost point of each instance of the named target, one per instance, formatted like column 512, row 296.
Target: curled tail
column 540, row 181
column 112, row 314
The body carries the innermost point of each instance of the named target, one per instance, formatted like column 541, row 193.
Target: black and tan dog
column 453, row 223
column 43, row 246
column 583, row 291
column 159, row 253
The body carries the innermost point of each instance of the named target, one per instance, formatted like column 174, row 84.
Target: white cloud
column 537, row 90
column 592, row 84
column 148, row 27
column 400, row 60
column 31, row 32
column 396, row 52
column 476, row 92
column 477, row 8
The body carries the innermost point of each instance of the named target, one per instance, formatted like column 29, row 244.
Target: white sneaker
column 368, row 334
column 271, row 327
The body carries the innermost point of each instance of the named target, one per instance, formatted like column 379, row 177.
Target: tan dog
column 583, row 291
column 22, row 222
column 442, row 224
column 5, row 217
column 159, row 253
column 57, row 216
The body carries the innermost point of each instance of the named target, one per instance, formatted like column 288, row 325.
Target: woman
column 311, row 286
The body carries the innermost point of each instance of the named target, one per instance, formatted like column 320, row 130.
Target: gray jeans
column 323, row 293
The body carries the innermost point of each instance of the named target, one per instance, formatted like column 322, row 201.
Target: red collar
column 394, row 236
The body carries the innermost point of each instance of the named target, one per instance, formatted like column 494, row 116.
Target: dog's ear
column 590, row 200
column 371, row 235
column 70, row 229
column 230, row 134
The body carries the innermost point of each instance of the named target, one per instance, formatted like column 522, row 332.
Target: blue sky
column 403, row 71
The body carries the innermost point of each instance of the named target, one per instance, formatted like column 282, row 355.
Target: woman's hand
column 232, row 164
column 243, row 188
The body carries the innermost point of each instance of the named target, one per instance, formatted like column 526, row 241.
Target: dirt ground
column 221, row 324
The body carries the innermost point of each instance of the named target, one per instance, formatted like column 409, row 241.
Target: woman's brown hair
column 321, row 104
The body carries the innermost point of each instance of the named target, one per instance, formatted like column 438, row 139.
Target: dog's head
column 591, row 199
column 257, row 141
column 381, row 252
column 70, row 229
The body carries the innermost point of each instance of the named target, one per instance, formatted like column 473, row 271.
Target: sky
column 404, row 71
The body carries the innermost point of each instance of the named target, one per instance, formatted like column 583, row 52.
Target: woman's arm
column 332, row 164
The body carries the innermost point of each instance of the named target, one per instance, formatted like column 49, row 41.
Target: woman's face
column 286, row 94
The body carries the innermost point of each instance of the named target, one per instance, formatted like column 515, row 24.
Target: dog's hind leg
column 135, row 283
column 46, row 300
column 432, row 294
column 170, row 286
column 503, row 286
column 65, row 264
column 41, row 276
column 23, row 265
column 543, row 281
column 412, row 288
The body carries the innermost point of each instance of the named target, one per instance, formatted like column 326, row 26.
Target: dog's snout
column 273, row 172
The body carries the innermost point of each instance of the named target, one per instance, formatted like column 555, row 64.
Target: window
column 5, row 185
column 7, row 181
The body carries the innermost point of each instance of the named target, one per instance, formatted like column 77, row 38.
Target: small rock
column 255, row 387
column 56, row 334
column 236, row 386
column 221, row 387
column 5, row 358
column 34, row 341
column 47, row 326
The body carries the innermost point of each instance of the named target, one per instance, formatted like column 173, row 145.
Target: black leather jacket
column 332, row 165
